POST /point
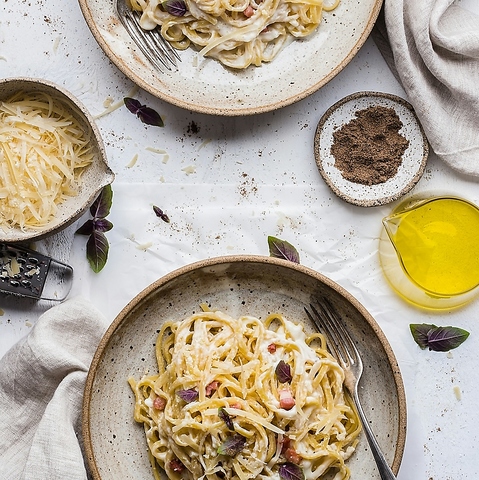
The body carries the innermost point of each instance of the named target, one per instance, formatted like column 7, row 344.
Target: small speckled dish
column 413, row 162
column 93, row 179
column 115, row 444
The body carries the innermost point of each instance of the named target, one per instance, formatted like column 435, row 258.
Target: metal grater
column 27, row 273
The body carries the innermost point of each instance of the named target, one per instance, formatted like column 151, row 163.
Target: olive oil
column 437, row 243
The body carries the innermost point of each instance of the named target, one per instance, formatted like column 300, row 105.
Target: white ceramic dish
column 204, row 85
column 95, row 176
column 114, row 442
column 413, row 162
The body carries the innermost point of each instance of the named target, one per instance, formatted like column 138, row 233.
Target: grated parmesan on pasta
column 43, row 153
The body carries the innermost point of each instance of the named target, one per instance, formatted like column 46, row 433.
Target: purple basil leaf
column 223, row 414
column 150, row 117
column 161, row 214
column 420, row 333
column 97, row 250
column 101, row 206
column 283, row 372
column 132, row 104
column 189, row 395
column 439, row 339
column 290, row 471
column 102, row 224
column 146, row 114
column 443, row 339
column 177, row 8
column 282, row 249
column 86, row 228
column 232, row 445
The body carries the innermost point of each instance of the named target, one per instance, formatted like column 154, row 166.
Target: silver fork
column 345, row 351
column 155, row 48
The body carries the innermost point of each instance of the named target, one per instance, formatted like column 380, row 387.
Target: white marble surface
column 228, row 183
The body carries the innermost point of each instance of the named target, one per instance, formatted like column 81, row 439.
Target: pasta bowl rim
column 114, row 332
column 241, row 100
column 97, row 175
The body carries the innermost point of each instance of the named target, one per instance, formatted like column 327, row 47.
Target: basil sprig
column 439, row 339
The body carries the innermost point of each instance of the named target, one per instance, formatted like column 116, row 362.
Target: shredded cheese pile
column 43, row 152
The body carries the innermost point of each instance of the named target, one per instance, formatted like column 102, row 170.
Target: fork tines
column 326, row 321
column 155, row 48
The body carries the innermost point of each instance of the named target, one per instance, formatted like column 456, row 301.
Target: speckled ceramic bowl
column 413, row 162
column 238, row 285
column 95, row 176
column 204, row 85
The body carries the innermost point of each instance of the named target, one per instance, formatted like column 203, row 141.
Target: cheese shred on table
column 43, row 153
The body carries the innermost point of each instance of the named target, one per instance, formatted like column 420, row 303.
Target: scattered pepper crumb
column 193, row 128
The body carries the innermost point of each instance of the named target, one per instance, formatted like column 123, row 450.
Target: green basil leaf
column 443, row 339
column 223, row 414
column 146, row 114
column 161, row 214
column 438, row 339
column 283, row 372
column 290, row 471
column 101, row 206
column 189, row 395
column 176, row 8
column 282, row 249
column 132, row 104
column 102, row 224
column 86, row 229
column 232, row 445
column 97, row 250
column 150, row 117
column 420, row 333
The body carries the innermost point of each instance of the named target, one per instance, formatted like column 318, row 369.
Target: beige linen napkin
column 435, row 47
column 41, row 388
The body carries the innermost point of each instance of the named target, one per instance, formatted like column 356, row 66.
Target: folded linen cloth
column 41, row 389
column 434, row 45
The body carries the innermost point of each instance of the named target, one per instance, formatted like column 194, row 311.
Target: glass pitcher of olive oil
column 429, row 251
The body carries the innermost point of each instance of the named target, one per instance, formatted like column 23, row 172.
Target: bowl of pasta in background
column 53, row 164
column 203, row 84
column 257, row 286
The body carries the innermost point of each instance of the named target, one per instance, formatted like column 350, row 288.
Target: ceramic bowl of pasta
column 237, row 57
column 215, row 371
column 52, row 159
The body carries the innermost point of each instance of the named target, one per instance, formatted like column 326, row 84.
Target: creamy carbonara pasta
column 242, row 399
column 238, row 33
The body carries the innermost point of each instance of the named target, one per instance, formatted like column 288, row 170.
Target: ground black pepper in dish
column 368, row 150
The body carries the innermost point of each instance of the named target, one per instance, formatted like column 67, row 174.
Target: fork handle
column 385, row 471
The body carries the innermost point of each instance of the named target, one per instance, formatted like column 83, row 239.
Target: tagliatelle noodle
column 231, row 365
column 43, row 152
column 222, row 30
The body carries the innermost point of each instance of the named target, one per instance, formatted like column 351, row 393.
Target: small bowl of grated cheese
column 52, row 159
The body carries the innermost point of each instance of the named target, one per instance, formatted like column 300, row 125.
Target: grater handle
column 27, row 273
column 58, row 282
